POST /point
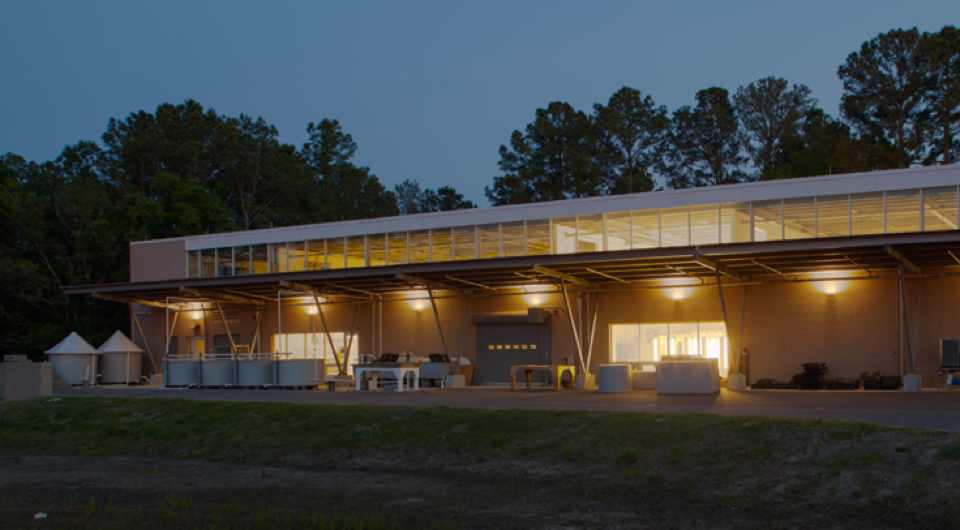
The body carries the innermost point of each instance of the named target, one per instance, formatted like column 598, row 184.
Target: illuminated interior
column 890, row 212
column 315, row 346
column 632, row 343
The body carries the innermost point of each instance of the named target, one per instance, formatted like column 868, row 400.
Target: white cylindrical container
column 119, row 368
column 73, row 368
column 614, row 378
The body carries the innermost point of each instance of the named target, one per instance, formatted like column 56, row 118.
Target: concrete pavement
column 931, row 410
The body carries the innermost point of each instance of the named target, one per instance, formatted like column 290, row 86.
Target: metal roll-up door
column 502, row 345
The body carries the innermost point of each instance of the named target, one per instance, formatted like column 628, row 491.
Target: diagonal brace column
column 573, row 327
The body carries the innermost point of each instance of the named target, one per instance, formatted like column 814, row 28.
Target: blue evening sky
column 429, row 90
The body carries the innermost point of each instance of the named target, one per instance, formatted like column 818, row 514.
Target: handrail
column 228, row 357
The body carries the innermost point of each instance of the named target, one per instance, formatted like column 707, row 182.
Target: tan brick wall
column 853, row 331
column 160, row 260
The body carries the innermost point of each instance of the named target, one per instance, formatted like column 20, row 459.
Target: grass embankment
column 777, row 469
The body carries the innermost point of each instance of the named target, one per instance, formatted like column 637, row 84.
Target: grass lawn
column 471, row 468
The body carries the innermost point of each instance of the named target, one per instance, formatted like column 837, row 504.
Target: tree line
column 183, row 170
column 900, row 107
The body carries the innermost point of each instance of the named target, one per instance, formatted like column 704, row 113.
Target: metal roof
column 877, row 181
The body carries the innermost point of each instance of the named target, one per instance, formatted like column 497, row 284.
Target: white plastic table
column 399, row 370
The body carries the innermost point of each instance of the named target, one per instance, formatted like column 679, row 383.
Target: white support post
column 463, row 333
column 573, row 327
column 436, row 315
column 146, row 345
column 326, row 331
column 593, row 326
column 349, row 344
column 233, row 345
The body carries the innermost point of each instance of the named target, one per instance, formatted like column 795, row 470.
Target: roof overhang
column 764, row 262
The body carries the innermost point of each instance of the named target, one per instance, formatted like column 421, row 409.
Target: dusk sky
column 429, row 90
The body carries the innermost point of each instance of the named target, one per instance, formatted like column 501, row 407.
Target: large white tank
column 74, row 360
column 120, row 360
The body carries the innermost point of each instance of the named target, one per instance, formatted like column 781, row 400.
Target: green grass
column 313, row 434
column 845, row 466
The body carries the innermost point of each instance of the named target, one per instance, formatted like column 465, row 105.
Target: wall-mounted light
column 674, row 288
column 536, row 294
column 196, row 311
column 418, row 300
column 833, row 286
column 310, row 306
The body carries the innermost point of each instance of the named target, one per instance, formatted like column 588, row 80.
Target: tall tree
column 825, row 145
column 448, row 199
column 632, row 131
column 941, row 122
column 328, row 146
column 59, row 225
column 706, row 144
column 771, row 112
column 884, row 95
column 253, row 172
column 411, row 199
column 345, row 191
column 408, row 197
column 555, row 158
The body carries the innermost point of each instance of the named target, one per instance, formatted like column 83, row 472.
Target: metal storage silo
column 120, row 360
column 74, row 360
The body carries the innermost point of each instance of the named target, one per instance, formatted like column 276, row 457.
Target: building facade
column 858, row 271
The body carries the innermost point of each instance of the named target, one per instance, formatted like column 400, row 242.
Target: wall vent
column 950, row 353
column 232, row 316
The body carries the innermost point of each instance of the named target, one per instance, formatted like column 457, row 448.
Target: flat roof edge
column 885, row 180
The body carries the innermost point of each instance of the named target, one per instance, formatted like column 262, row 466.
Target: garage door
column 500, row 346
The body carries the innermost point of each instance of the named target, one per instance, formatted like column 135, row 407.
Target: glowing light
column 310, row 305
column 535, row 300
column 674, row 288
column 536, row 294
column 831, row 287
column 196, row 311
column 418, row 300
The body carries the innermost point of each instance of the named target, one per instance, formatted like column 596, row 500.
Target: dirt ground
column 111, row 491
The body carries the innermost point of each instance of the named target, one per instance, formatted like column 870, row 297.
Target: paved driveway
column 933, row 410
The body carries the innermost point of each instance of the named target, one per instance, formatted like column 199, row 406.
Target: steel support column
column 593, row 327
column 743, row 317
column 463, row 332
column 723, row 307
column 326, row 331
column 223, row 318
column 146, row 345
column 911, row 362
column 436, row 315
column 573, row 327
